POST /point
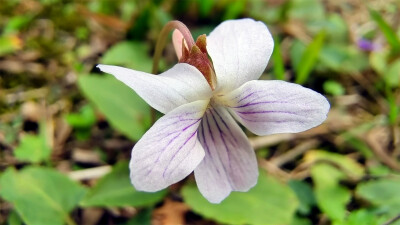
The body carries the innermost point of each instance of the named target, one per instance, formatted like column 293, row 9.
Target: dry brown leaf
column 171, row 213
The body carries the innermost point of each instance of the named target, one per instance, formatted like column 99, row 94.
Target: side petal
column 170, row 150
column 179, row 85
column 230, row 162
column 240, row 50
column 271, row 107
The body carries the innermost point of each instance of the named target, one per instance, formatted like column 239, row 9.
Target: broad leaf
column 124, row 109
column 384, row 191
column 334, row 88
column 115, row 189
column 384, row 194
column 269, row 202
column 84, row 119
column 332, row 198
column 133, row 55
column 305, row 195
column 392, row 76
column 41, row 195
column 33, row 148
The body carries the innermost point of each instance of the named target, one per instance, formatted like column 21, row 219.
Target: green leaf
column 309, row 10
column 142, row 218
column 14, row 219
column 305, row 195
column 296, row 51
column 361, row 216
column 332, row 198
column 394, row 108
column 342, row 58
column 387, row 31
column 9, row 44
column 269, row 202
column 267, row 12
column 33, row 148
column 16, row 23
column 309, row 58
column 124, row 109
column 40, row 195
column 380, row 192
column 279, row 69
column 205, row 7
column 384, row 194
column 234, row 9
column 391, row 75
column 335, row 26
column 334, row 88
column 300, row 221
column 115, row 189
column 82, row 122
column 358, row 144
column 84, row 119
column 349, row 166
column 129, row 54
column 379, row 60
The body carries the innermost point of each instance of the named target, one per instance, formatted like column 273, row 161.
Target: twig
column 265, row 141
column 273, row 169
column 380, row 152
column 294, row 152
column 88, row 174
column 391, row 221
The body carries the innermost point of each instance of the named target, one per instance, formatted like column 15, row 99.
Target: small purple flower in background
column 367, row 45
column 201, row 101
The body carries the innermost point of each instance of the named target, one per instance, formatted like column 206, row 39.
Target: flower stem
column 162, row 40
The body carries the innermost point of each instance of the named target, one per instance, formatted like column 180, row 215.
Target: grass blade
column 279, row 69
column 388, row 32
column 309, row 58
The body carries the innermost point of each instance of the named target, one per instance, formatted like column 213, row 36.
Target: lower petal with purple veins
column 170, row 150
column 230, row 163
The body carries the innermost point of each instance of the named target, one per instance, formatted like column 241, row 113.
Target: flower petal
column 170, row 150
column 240, row 50
column 179, row 85
column 271, row 107
column 230, row 163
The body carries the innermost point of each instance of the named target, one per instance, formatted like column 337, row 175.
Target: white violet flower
column 201, row 100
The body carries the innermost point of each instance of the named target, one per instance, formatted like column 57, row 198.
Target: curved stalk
column 162, row 40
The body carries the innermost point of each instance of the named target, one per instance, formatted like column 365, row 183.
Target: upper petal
column 170, row 150
column 230, row 163
column 270, row 107
column 179, row 85
column 240, row 50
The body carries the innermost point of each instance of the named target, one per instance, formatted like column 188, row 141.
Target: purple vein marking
column 215, row 148
column 203, row 138
column 204, row 143
column 239, row 161
column 257, row 103
column 178, row 150
column 169, row 142
column 226, row 126
column 222, row 134
column 270, row 121
column 245, row 97
column 268, row 111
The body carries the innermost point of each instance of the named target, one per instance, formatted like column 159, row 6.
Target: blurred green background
column 66, row 130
